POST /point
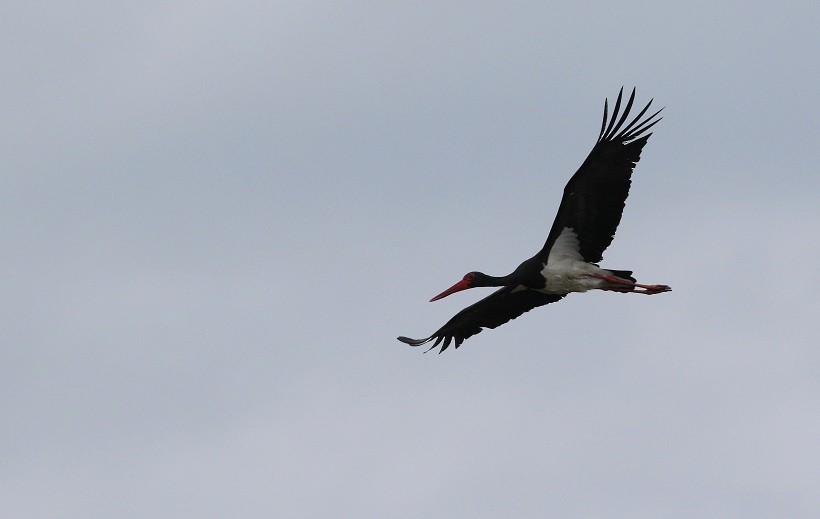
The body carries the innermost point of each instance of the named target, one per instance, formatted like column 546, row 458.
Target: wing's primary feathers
column 594, row 197
column 501, row 306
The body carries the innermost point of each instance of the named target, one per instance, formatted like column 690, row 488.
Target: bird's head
column 470, row 280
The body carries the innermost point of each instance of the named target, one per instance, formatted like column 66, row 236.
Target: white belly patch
column 565, row 270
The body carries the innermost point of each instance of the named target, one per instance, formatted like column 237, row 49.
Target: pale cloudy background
column 217, row 217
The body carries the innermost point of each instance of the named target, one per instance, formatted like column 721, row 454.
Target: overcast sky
column 217, row 217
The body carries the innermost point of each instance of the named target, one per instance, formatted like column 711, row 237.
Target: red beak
column 458, row 287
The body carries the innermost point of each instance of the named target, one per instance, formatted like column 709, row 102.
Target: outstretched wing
column 494, row 310
column 594, row 197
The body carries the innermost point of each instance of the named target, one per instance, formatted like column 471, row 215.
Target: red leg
column 647, row 289
column 653, row 289
column 613, row 279
column 623, row 290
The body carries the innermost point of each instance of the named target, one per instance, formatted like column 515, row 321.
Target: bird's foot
column 652, row 289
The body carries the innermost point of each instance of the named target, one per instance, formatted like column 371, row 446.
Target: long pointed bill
column 458, row 287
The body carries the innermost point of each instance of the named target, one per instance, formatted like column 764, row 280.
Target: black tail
column 626, row 274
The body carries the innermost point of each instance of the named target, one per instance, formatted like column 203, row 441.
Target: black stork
column 586, row 222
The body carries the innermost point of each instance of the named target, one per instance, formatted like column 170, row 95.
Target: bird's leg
column 623, row 290
column 630, row 286
column 652, row 289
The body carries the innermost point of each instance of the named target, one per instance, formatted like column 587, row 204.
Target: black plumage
column 595, row 196
column 591, row 207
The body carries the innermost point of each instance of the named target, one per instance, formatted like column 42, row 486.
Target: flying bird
column 586, row 222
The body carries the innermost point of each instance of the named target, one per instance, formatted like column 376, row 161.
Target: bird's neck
column 499, row 281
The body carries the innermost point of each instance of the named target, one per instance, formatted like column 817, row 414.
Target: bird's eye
column 469, row 277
